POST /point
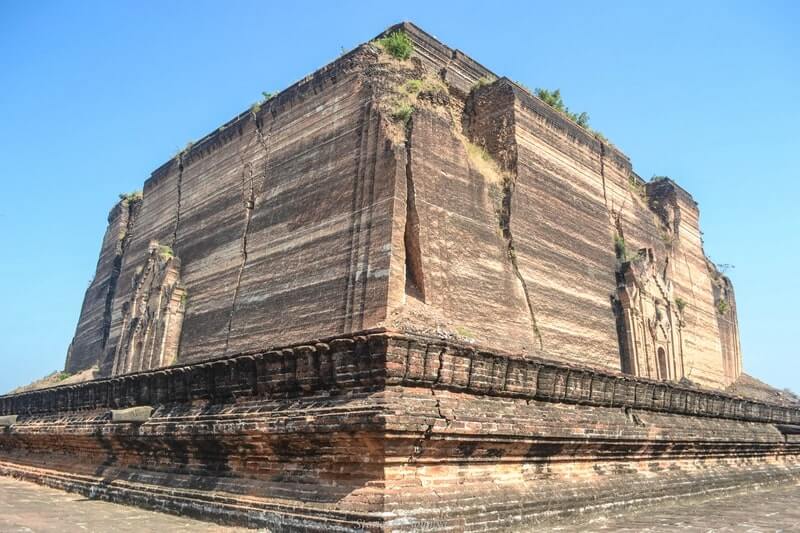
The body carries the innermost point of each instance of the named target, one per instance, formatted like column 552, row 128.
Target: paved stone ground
column 771, row 509
column 27, row 507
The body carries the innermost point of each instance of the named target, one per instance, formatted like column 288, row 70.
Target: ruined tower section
column 703, row 296
column 728, row 323
column 422, row 195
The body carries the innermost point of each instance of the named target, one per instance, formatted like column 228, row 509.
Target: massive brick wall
column 279, row 219
column 573, row 195
column 488, row 216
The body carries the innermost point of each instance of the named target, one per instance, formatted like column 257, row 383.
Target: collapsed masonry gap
column 415, row 279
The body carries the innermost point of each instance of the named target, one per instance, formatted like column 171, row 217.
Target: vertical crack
column 178, row 208
column 439, row 370
column 505, row 224
column 417, row 449
column 500, row 132
column 415, row 280
column 603, row 170
column 249, row 194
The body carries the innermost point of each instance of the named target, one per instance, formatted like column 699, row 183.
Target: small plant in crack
column 413, row 86
column 620, row 248
column 723, row 306
column 680, row 303
column 127, row 197
column 184, row 151
column 637, row 187
column 398, row 44
column 482, row 81
column 165, row 252
column 428, row 84
column 265, row 96
column 461, row 331
column 402, row 113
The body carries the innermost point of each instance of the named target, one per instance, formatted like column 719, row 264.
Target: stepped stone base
column 390, row 432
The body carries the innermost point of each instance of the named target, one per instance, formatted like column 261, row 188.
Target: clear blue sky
column 96, row 94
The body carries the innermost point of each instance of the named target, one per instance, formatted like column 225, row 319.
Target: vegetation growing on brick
column 637, row 187
column 402, row 112
column 723, row 306
column 397, row 44
column 483, row 80
column 165, row 252
column 620, row 247
column 554, row 100
column 133, row 196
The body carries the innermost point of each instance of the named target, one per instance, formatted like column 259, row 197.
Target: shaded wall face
column 281, row 226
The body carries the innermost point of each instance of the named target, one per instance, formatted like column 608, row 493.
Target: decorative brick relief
column 652, row 345
column 152, row 319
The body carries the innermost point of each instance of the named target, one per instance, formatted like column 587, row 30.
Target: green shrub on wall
column 397, row 44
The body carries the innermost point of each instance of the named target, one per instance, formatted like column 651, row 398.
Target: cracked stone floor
column 27, row 507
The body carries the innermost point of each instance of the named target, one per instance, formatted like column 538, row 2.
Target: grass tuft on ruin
column 398, row 45
column 402, row 113
column 128, row 197
column 554, row 100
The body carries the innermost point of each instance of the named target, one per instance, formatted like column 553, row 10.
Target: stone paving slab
column 27, row 507
column 773, row 509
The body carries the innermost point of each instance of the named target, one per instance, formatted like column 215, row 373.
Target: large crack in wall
column 179, row 186
column 415, row 279
column 509, row 185
column 495, row 138
column 250, row 192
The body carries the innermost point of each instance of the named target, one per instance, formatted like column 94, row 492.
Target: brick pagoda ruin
column 402, row 295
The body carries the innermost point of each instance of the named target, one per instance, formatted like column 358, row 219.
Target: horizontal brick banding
column 370, row 361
